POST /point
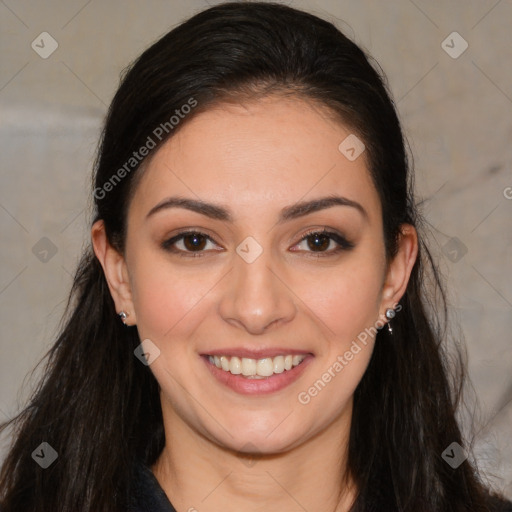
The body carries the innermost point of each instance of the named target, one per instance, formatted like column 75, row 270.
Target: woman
column 251, row 326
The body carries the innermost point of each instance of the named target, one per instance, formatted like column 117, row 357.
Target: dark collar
column 146, row 494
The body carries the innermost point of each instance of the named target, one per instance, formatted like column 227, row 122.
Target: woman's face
column 250, row 288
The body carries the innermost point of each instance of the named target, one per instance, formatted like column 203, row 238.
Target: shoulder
column 146, row 494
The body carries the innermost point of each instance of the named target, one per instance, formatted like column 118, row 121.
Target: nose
column 256, row 296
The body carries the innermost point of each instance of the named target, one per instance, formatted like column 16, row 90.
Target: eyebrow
column 288, row 213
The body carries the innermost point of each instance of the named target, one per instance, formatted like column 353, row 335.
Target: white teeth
column 235, row 366
column 248, row 366
column 224, row 361
column 279, row 364
column 265, row 367
column 296, row 360
column 256, row 367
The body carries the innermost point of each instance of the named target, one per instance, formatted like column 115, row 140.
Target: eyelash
column 343, row 243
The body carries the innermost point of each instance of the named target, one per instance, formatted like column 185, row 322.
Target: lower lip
column 263, row 386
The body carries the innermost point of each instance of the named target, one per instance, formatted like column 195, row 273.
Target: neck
column 198, row 474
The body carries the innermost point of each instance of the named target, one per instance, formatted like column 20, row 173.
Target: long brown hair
column 99, row 408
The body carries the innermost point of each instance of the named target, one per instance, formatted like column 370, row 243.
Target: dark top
column 148, row 496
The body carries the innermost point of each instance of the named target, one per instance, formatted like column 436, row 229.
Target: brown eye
column 188, row 243
column 194, row 241
column 319, row 242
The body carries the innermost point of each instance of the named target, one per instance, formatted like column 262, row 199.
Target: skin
column 256, row 159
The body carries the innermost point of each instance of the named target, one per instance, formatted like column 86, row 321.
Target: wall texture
column 448, row 65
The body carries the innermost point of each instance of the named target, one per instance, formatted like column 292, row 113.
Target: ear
column 115, row 270
column 399, row 269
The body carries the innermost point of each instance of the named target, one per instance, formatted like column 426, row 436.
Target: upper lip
column 255, row 353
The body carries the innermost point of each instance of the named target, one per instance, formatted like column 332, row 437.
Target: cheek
column 347, row 304
column 346, row 300
column 163, row 298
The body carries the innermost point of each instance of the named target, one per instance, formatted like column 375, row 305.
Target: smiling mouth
column 256, row 368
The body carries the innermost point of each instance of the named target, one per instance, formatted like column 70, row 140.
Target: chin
column 267, row 438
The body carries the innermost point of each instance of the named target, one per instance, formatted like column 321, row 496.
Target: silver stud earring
column 123, row 315
column 390, row 313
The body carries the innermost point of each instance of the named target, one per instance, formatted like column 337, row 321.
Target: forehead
column 265, row 154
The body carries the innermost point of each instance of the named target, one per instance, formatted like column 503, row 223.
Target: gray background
column 456, row 112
